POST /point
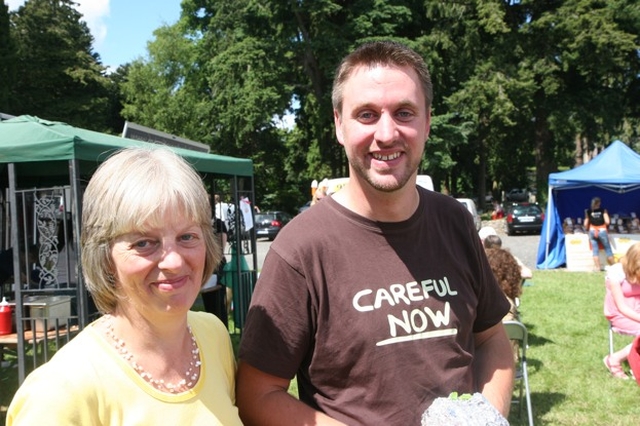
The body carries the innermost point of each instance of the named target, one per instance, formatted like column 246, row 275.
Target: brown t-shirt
column 375, row 319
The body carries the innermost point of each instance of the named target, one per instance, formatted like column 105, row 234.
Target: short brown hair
column 492, row 241
column 380, row 53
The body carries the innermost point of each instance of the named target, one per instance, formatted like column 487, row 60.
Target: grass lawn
column 568, row 337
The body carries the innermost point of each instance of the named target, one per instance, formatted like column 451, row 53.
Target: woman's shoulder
column 205, row 321
column 72, row 369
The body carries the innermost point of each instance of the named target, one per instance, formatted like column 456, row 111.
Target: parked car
column 517, row 195
column 524, row 217
column 268, row 224
column 471, row 207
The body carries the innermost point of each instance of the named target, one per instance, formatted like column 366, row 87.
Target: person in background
column 507, row 273
column 147, row 248
column 622, row 305
column 391, row 302
column 498, row 211
column 221, row 210
column 596, row 222
column 319, row 195
column 490, row 239
column 6, row 268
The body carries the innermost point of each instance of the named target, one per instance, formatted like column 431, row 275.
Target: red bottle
column 5, row 317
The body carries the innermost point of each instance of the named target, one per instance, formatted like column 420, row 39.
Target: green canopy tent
column 27, row 139
column 44, row 167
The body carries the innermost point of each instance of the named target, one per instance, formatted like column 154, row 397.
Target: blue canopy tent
column 613, row 175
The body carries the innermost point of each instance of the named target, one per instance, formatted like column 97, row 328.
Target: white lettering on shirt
column 410, row 324
column 401, row 294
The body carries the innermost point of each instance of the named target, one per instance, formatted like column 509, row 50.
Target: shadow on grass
column 541, row 404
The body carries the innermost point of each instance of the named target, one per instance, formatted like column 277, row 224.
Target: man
column 380, row 299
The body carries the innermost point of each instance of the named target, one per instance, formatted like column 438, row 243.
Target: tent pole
column 548, row 242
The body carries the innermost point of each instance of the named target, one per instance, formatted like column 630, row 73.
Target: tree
column 60, row 79
column 517, row 83
column 7, row 59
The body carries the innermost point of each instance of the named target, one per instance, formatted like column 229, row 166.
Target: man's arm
column 494, row 367
column 263, row 399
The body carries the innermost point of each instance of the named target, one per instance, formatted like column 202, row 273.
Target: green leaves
column 519, row 85
column 60, row 77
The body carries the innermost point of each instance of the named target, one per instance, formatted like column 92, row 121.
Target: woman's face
column 159, row 271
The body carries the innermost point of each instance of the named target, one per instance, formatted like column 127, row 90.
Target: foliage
column 519, row 85
column 7, row 59
column 60, row 77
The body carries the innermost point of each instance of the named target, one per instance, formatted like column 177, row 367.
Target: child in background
column 622, row 305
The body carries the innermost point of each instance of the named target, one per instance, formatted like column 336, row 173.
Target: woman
column 622, row 305
column 507, row 273
column 147, row 248
column 596, row 222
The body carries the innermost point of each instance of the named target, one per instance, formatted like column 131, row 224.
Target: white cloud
column 94, row 13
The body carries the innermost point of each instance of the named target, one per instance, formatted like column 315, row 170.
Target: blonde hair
column 631, row 263
column 130, row 191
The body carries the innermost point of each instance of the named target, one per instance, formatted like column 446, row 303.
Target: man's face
column 383, row 125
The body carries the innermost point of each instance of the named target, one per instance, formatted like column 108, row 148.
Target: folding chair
column 518, row 332
column 612, row 330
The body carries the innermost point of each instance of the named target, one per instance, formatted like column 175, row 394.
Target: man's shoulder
column 313, row 220
column 439, row 200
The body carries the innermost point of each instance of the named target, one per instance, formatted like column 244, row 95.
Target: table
column 36, row 338
column 580, row 256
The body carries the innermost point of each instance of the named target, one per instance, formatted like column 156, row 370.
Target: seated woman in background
column 490, row 239
column 507, row 273
column 622, row 305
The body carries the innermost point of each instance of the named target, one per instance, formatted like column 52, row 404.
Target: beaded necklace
column 192, row 373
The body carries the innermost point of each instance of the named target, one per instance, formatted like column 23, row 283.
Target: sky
column 122, row 28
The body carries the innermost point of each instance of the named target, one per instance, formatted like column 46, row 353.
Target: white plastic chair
column 518, row 332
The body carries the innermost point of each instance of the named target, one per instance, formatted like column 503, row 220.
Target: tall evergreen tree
column 60, row 77
column 516, row 82
column 7, row 59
